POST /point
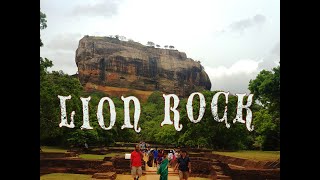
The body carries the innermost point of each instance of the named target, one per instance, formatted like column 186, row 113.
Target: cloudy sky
column 233, row 39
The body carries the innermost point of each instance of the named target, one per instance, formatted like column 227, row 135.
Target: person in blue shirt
column 155, row 156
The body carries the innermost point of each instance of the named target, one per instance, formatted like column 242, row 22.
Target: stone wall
column 67, row 165
column 57, row 154
column 246, row 162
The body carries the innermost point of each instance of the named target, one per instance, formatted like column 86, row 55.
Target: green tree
column 52, row 85
column 150, row 43
column 266, row 88
column 206, row 133
column 43, row 24
column 44, row 63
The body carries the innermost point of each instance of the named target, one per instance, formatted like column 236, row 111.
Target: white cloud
column 242, row 66
column 234, row 78
column 244, row 24
column 272, row 59
column 65, row 42
column 62, row 57
column 64, row 61
column 104, row 8
column 276, row 49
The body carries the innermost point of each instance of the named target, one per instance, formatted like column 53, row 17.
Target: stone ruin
column 204, row 164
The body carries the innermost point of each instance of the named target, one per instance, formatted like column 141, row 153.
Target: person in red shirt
column 136, row 163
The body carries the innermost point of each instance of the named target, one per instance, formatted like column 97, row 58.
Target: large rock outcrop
column 126, row 67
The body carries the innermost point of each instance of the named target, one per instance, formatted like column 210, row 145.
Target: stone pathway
column 151, row 174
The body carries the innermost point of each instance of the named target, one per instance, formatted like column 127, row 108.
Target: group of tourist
column 156, row 156
column 161, row 160
column 144, row 147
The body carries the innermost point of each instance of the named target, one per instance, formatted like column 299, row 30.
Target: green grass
column 52, row 149
column 253, row 155
column 126, row 148
column 193, row 153
column 98, row 157
column 65, row 176
column 92, row 156
column 114, row 154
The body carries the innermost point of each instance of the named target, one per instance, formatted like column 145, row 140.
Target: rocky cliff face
column 120, row 67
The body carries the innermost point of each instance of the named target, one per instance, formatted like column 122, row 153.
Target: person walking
column 177, row 153
column 163, row 168
column 184, row 165
column 170, row 157
column 136, row 163
column 176, row 157
column 160, row 156
column 150, row 159
column 155, row 156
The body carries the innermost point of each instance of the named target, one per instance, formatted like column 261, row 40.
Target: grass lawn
column 52, row 149
column 92, row 156
column 114, row 154
column 126, row 148
column 65, row 176
column 253, row 155
column 99, row 157
column 193, row 153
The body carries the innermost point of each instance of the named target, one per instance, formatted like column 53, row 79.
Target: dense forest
column 207, row 133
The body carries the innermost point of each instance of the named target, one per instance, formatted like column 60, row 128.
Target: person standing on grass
column 184, row 164
column 163, row 168
column 136, row 163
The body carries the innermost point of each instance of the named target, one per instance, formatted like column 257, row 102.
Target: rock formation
column 130, row 68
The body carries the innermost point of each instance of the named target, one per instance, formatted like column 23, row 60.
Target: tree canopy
column 266, row 88
column 43, row 24
column 150, row 43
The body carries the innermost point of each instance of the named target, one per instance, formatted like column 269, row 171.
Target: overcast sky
column 233, row 39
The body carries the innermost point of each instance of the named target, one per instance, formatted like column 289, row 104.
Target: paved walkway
column 151, row 174
column 147, row 177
